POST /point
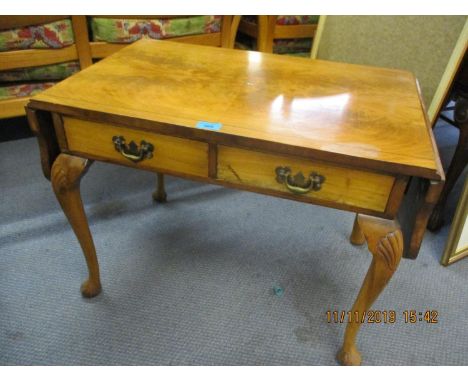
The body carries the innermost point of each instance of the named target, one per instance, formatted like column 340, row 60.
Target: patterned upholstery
column 48, row 72
column 23, row 90
column 19, row 82
column 55, row 35
column 296, row 46
column 129, row 30
column 288, row 20
column 295, row 20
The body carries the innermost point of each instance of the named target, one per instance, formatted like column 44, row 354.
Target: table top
column 351, row 112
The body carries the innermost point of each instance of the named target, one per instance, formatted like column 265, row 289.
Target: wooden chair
column 26, row 58
column 82, row 49
column 431, row 47
column 222, row 38
column 266, row 29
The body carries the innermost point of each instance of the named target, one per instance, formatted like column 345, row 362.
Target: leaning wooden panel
column 169, row 153
column 340, row 185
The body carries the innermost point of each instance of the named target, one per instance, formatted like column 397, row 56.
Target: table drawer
column 339, row 185
column 178, row 155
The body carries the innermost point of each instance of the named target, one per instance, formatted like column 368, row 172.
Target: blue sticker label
column 215, row 126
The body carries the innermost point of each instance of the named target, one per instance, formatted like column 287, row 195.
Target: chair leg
column 160, row 195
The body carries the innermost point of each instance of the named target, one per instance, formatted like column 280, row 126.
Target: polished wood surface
column 180, row 156
column 347, row 112
column 342, row 185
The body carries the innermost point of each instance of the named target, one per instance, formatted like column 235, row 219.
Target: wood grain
column 385, row 242
column 295, row 31
column 342, row 185
column 67, row 171
column 13, row 107
column 176, row 154
column 83, row 50
column 349, row 111
column 42, row 127
column 36, row 57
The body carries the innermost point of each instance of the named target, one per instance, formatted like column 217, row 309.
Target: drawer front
column 178, row 155
column 340, row 185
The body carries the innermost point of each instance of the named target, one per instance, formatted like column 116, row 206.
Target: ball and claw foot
column 350, row 357
column 90, row 289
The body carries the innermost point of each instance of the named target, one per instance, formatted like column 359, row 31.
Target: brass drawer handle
column 298, row 184
column 132, row 151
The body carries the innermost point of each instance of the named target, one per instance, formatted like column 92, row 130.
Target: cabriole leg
column 67, row 172
column 385, row 242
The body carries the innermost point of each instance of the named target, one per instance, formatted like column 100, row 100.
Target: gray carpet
column 190, row 282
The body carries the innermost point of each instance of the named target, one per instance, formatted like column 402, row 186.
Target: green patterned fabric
column 292, row 46
column 288, row 20
column 23, row 90
column 295, row 47
column 129, row 30
column 41, row 73
column 296, row 20
column 55, row 35
column 420, row 44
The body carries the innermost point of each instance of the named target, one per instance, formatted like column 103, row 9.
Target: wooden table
column 343, row 136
